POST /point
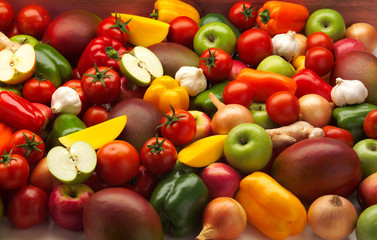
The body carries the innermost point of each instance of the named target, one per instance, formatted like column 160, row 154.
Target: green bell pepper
column 179, row 199
column 217, row 17
column 351, row 118
column 52, row 65
column 63, row 125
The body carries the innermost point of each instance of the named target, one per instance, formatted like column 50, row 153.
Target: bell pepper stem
column 265, row 16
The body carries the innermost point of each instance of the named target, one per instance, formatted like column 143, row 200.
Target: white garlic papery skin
column 286, row 45
column 65, row 100
column 192, row 79
column 348, row 92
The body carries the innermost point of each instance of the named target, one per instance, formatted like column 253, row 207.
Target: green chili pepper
column 217, row 17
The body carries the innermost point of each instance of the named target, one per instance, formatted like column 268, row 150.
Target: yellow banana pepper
column 167, row 10
column 165, row 92
column 271, row 208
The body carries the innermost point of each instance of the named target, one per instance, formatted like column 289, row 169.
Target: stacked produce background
column 180, row 124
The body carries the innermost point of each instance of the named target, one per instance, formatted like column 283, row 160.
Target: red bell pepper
column 19, row 113
column 309, row 82
column 104, row 51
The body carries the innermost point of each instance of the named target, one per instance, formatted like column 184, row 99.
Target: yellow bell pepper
column 167, row 10
column 271, row 208
column 165, row 92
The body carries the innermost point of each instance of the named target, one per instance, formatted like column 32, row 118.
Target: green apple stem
column 6, row 43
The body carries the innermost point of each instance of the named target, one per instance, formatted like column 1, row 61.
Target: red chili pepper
column 104, row 51
column 309, row 82
column 19, row 113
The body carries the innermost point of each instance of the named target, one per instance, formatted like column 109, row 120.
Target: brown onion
column 315, row 110
column 365, row 33
column 301, row 39
column 223, row 218
column 332, row 217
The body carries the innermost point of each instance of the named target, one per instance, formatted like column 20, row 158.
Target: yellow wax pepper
column 271, row 208
column 165, row 91
column 167, row 10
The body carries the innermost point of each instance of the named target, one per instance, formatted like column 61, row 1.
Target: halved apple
column 72, row 165
column 141, row 66
column 16, row 67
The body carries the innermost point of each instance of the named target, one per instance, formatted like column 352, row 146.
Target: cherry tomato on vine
column 238, row 92
column 179, row 126
column 39, row 91
column 182, row 30
column 283, row 107
column 33, row 20
column 114, row 28
column 29, row 145
column 319, row 39
column 158, row 155
column 14, row 171
column 370, row 124
column 243, row 15
column 94, row 115
column 6, row 16
column 320, row 60
column 216, row 64
column 339, row 134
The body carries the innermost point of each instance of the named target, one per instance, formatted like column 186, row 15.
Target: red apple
column 66, row 205
column 237, row 67
column 221, row 180
column 203, row 125
column 367, row 191
column 129, row 90
column 347, row 45
column 143, row 183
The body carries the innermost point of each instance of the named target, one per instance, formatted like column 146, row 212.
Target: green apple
column 72, row 165
column 328, row 21
column 276, row 64
column 366, row 149
column 14, row 88
column 366, row 226
column 141, row 66
column 215, row 35
column 248, row 147
column 260, row 116
column 22, row 39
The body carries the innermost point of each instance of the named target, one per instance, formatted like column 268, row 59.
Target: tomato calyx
column 157, row 147
column 99, row 76
column 121, row 25
column 6, row 157
column 265, row 16
column 210, row 61
column 170, row 119
column 30, row 145
column 248, row 12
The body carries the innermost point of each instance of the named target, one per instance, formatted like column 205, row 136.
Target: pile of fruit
column 139, row 127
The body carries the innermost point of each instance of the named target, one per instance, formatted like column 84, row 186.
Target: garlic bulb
column 65, row 100
column 192, row 79
column 348, row 92
column 286, row 45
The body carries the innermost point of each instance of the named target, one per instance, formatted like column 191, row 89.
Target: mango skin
column 318, row 166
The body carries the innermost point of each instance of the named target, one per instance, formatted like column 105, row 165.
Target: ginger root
column 297, row 131
column 6, row 43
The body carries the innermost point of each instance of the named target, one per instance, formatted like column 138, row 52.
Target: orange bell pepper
column 279, row 17
column 165, row 92
column 266, row 83
column 271, row 208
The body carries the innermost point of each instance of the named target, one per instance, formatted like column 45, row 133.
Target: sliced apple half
column 72, row 165
column 16, row 67
column 141, row 66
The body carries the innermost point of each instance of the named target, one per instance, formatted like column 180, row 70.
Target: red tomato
column 38, row 91
column 283, row 107
column 158, row 155
column 320, row 60
column 6, row 133
column 143, row 183
column 182, row 30
column 100, row 85
column 370, row 124
column 6, row 16
column 339, row 134
column 33, row 20
column 114, row 28
column 319, row 39
column 14, row 171
column 117, row 162
column 253, row 46
column 216, row 64
column 29, row 145
column 94, row 115
column 179, row 126
column 76, row 85
column 238, row 92
column 243, row 15
column 27, row 207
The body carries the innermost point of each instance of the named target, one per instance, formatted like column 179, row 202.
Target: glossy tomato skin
column 319, row 39
column 370, row 124
column 38, row 91
column 14, row 171
column 158, row 155
column 243, row 15
column 33, row 20
column 117, row 162
column 216, row 64
column 283, row 107
column 253, row 46
column 29, row 145
column 27, row 207
column 339, row 134
column 114, row 28
column 94, row 115
column 320, row 60
column 6, row 16
column 238, row 92
column 182, row 30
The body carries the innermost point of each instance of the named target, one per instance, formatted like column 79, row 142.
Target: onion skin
column 301, row 39
column 365, row 33
column 332, row 217
column 315, row 110
column 223, row 218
